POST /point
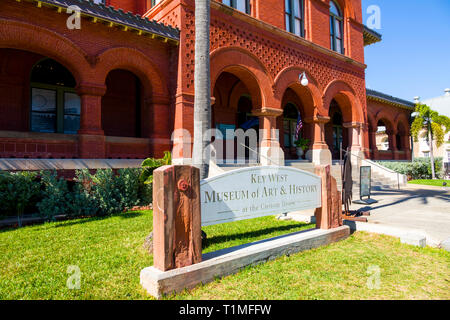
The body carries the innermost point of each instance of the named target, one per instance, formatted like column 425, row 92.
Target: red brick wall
column 90, row 54
column 271, row 12
column 119, row 104
column 135, row 6
column 262, row 57
column 396, row 120
column 15, row 74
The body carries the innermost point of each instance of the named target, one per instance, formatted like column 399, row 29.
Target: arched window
column 55, row 105
column 241, row 5
column 294, row 13
column 336, row 28
column 290, row 118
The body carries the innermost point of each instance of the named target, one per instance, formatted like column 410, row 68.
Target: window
column 55, row 106
column 336, row 28
column 241, row 5
column 294, row 17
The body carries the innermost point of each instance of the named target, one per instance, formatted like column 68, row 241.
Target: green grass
column 110, row 255
column 109, row 252
column 437, row 183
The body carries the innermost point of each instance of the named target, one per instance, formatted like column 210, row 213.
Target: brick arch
column 248, row 69
column 309, row 96
column 346, row 98
column 236, row 93
column 371, row 122
column 28, row 37
column 388, row 120
column 136, row 62
column 347, row 8
column 402, row 119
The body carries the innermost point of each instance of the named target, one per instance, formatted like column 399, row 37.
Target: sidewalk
column 415, row 207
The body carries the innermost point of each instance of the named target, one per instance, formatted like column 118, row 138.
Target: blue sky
column 414, row 57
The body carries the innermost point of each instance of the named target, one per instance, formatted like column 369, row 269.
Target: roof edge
column 382, row 97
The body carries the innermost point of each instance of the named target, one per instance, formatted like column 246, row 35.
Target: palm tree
column 433, row 123
column 202, row 99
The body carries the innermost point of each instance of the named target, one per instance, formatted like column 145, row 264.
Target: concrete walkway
column 415, row 208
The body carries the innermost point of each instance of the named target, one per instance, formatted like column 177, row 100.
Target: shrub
column 102, row 193
column 105, row 192
column 81, row 201
column 420, row 168
column 132, row 189
column 18, row 190
column 55, row 195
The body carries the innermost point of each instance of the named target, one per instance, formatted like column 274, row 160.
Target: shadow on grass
column 70, row 221
column 123, row 215
column 254, row 234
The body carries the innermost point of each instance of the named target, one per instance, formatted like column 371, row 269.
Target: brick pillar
column 373, row 143
column 270, row 150
column 318, row 153
column 406, row 142
column 157, row 124
column 354, row 136
column 183, row 135
column 392, row 143
column 91, row 138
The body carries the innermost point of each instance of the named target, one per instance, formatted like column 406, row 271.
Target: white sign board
column 257, row 191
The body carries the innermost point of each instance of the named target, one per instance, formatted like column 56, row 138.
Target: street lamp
column 303, row 79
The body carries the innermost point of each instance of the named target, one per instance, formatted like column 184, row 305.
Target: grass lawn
column 437, row 183
column 110, row 255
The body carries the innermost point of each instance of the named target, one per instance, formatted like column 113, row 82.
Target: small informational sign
column 257, row 191
column 365, row 181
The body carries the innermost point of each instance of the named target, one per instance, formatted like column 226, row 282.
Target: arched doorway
column 55, row 105
column 382, row 136
column 298, row 106
column 232, row 110
column 386, row 139
column 336, row 135
column 290, row 120
column 122, row 105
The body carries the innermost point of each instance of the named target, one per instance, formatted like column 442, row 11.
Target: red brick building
column 121, row 84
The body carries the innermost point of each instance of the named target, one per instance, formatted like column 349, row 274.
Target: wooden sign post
column 329, row 215
column 177, row 239
column 179, row 199
column 182, row 204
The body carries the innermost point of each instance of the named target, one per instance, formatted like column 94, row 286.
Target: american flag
column 299, row 127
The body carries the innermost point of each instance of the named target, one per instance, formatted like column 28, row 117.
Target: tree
column 202, row 82
column 433, row 123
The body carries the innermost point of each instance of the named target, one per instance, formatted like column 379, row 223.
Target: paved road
column 415, row 207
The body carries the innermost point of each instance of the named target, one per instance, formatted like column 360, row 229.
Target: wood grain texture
column 329, row 215
column 177, row 219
